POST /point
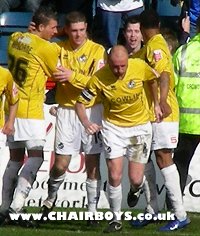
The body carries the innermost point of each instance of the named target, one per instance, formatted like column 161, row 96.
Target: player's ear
column 40, row 27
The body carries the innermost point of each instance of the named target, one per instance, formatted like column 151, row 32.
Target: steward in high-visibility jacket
column 187, row 68
column 187, row 78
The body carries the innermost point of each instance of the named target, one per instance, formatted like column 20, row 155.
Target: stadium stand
column 11, row 22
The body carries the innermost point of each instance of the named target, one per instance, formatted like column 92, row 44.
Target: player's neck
column 77, row 46
column 150, row 33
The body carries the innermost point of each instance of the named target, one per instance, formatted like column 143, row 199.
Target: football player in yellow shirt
column 165, row 134
column 133, row 43
column 8, row 88
column 31, row 59
column 80, row 58
column 126, row 127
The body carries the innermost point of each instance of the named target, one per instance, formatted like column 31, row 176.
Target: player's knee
column 136, row 182
column 115, row 177
column 58, row 169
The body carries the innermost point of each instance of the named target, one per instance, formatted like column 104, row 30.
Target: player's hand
column 158, row 114
column 91, row 128
column 31, row 27
column 62, row 74
column 186, row 24
column 165, row 108
column 8, row 128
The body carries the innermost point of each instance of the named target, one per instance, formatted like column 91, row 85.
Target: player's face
column 50, row 30
column 77, row 33
column 118, row 66
column 133, row 35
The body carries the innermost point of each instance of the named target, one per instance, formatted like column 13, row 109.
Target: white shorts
column 29, row 129
column 132, row 142
column 29, row 144
column 29, row 133
column 2, row 140
column 70, row 135
column 165, row 135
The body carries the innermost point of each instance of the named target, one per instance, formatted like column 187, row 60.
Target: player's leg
column 10, row 181
column 149, row 187
column 67, row 142
column 10, row 178
column 172, row 184
column 28, row 173
column 138, row 154
column 115, row 143
column 164, row 142
column 137, row 178
column 114, row 190
column 137, row 164
column 93, row 183
column 56, row 178
column 92, row 146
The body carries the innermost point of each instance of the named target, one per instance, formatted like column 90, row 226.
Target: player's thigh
column 68, row 132
column 165, row 135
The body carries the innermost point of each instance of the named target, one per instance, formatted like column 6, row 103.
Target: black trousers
column 183, row 154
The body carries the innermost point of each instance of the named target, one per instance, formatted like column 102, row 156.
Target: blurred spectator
column 19, row 5
column 185, row 35
column 61, row 6
column 30, row 5
column 110, row 16
column 169, row 13
column 192, row 7
column 64, row 7
column 8, row 5
column 171, row 39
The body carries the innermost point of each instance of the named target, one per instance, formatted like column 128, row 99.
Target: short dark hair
column 131, row 20
column 149, row 19
column 43, row 15
column 75, row 17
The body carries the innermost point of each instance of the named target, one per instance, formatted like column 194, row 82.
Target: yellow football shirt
column 124, row 100
column 31, row 60
column 157, row 55
column 83, row 62
column 8, row 88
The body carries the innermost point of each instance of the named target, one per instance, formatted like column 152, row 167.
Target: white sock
column 9, row 183
column 115, row 198
column 25, row 181
column 53, row 186
column 93, row 193
column 172, row 184
column 150, row 188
